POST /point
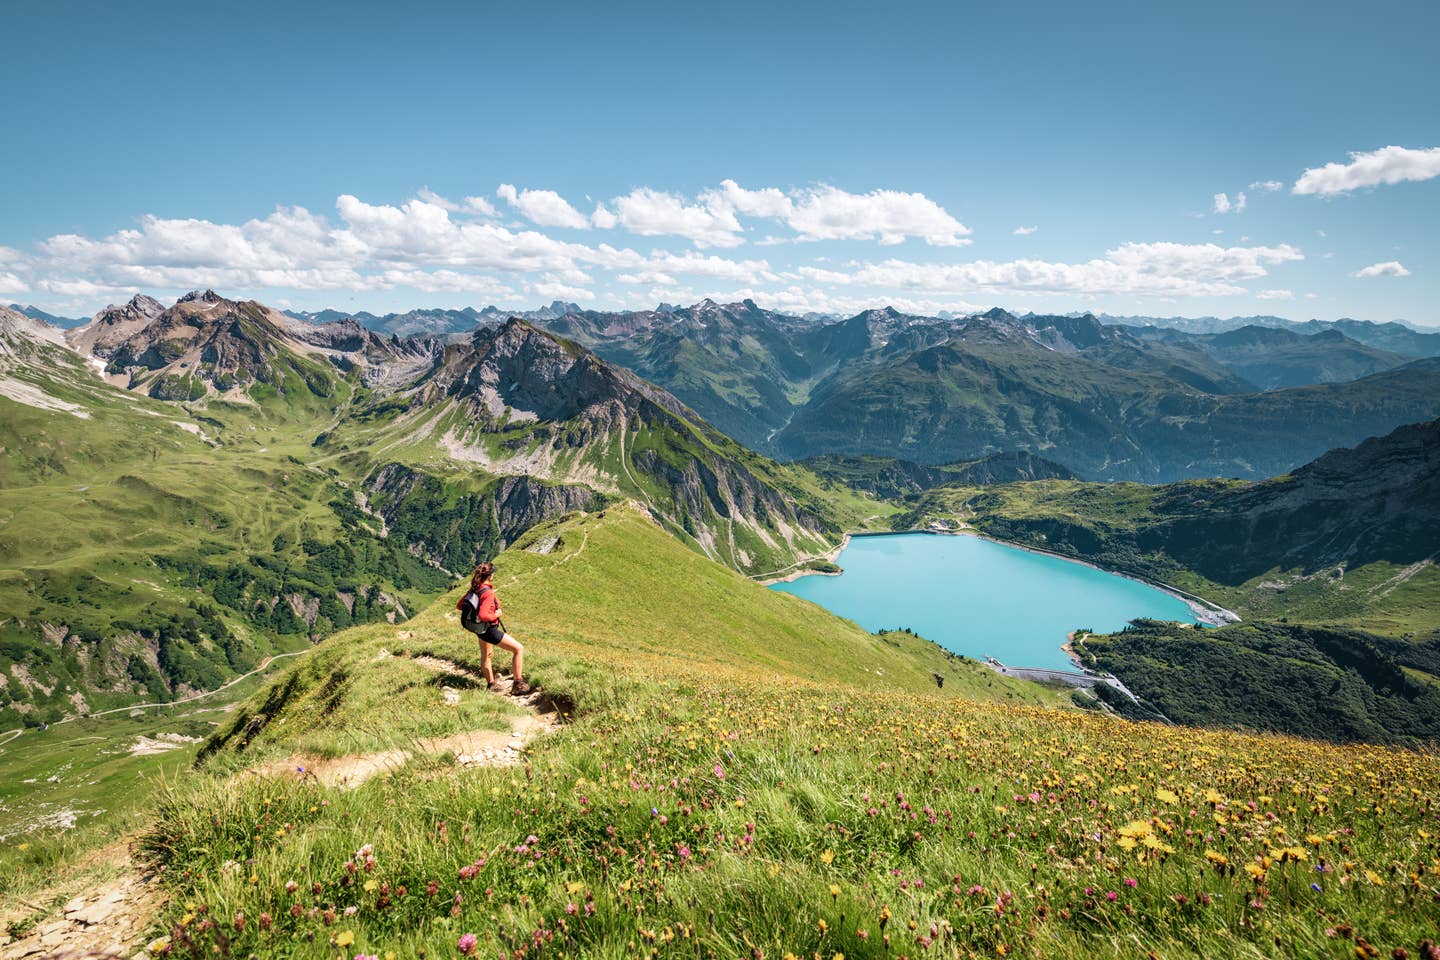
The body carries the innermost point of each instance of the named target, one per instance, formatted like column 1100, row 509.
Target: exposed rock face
column 385, row 361
column 459, row 531
column 536, row 405
column 111, row 327
column 539, row 377
column 207, row 342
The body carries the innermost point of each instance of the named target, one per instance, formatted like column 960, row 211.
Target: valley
column 212, row 488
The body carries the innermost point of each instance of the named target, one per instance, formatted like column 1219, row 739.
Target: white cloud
column 1274, row 295
column 1223, row 203
column 1024, row 231
column 430, row 196
column 1266, row 186
column 1384, row 166
column 827, row 213
column 1312, row 296
column 416, row 244
column 1390, row 268
column 817, row 213
column 603, row 218
column 1151, row 269
column 766, row 202
column 662, row 268
column 431, row 244
column 481, row 206
column 544, row 208
column 654, row 213
column 11, row 284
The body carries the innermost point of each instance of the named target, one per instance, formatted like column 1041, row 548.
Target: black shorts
column 489, row 632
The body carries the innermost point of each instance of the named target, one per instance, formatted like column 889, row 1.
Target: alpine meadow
column 737, row 483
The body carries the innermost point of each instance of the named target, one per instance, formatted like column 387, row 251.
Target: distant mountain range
column 436, row 322
column 1107, row 400
column 35, row 313
column 1394, row 335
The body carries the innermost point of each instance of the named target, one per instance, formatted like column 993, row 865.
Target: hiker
column 480, row 614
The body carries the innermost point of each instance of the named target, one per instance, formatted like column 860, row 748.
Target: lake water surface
column 980, row 598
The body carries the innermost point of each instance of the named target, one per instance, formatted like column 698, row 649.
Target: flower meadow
column 717, row 814
column 745, row 776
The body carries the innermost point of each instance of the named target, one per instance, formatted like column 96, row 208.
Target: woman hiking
column 480, row 614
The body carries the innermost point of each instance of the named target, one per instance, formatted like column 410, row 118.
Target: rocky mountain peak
column 535, row 375
column 999, row 315
column 111, row 327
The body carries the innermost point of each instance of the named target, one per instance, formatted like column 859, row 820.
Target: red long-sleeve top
column 486, row 604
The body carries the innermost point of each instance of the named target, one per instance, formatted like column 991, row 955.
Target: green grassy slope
column 151, row 548
column 615, row 597
column 704, row 805
column 1335, row 684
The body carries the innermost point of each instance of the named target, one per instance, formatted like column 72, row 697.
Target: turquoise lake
column 979, row 598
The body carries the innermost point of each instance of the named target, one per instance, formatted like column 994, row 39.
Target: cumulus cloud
column 1266, row 186
column 766, row 202
column 1223, row 203
column 1390, row 268
column 823, row 212
column 430, row 196
column 661, row 268
column 376, row 246
column 827, row 213
column 603, row 218
column 431, row 244
column 11, row 284
column 655, row 213
column 1024, row 231
column 1274, row 295
column 1384, row 166
column 1151, row 269
column 481, row 206
column 545, row 208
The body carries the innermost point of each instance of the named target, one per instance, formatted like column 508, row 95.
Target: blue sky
column 814, row 156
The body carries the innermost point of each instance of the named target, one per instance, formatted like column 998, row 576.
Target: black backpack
column 469, row 613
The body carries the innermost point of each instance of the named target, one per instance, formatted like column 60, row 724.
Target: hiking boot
column 520, row 688
column 495, row 687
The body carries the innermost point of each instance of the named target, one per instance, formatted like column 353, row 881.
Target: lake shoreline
column 1204, row 611
column 830, row 556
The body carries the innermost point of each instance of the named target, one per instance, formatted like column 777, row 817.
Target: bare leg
column 485, row 666
column 517, row 664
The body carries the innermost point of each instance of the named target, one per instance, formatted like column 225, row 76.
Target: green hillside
column 735, row 777
column 613, row 599
column 968, row 397
column 1334, row 684
column 157, row 546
